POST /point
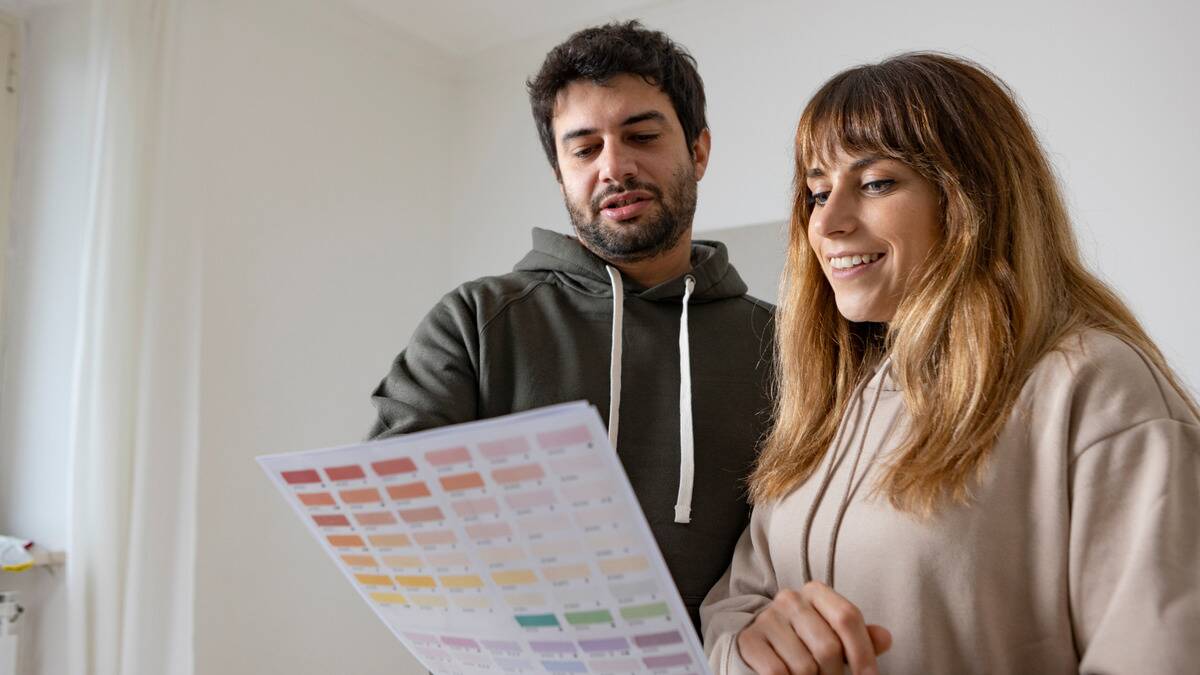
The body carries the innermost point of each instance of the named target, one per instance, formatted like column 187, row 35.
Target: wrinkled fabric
column 1079, row 552
column 542, row 335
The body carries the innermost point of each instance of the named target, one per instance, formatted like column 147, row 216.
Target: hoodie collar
column 883, row 378
column 563, row 255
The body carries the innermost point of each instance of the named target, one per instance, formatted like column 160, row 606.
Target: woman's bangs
column 850, row 115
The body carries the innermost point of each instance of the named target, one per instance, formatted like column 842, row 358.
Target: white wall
column 313, row 153
column 41, row 304
column 343, row 177
column 1109, row 86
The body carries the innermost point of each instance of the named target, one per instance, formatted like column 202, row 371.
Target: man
column 632, row 316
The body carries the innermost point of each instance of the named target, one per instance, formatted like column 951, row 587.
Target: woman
column 980, row 461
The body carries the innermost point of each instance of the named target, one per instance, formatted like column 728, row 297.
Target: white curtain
column 133, row 415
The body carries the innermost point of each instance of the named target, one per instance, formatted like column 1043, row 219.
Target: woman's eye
column 879, row 186
column 818, row 198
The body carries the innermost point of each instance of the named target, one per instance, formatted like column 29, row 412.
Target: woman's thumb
column 880, row 637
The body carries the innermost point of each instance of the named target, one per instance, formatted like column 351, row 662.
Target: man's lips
column 626, row 205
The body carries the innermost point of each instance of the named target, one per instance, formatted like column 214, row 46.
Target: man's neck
column 664, row 267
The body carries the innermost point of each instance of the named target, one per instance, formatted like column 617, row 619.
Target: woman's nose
column 836, row 217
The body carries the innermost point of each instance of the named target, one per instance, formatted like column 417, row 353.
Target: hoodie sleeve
column 433, row 382
column 746, row 588
column 1134, row 550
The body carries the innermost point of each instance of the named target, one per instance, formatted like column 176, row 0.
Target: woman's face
column 874, row 221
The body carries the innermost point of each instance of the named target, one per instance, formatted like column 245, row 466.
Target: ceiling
column 463, row 28
column 20, row 7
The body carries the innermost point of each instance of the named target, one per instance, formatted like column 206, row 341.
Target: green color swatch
column 536, row 620
column 645, row 611
column 585, row 618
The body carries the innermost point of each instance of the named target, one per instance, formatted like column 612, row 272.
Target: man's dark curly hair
column 602, row 52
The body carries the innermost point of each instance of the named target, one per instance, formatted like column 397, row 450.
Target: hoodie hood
column 711, row 278
column 715, row 278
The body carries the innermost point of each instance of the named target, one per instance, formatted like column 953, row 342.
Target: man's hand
column 809, row 632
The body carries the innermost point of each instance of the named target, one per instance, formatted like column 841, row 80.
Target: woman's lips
column 857, row 270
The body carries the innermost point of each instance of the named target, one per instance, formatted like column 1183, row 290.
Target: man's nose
column 616, row 164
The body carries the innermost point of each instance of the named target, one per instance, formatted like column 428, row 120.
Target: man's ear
column 700, row 150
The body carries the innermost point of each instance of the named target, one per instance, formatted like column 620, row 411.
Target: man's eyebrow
column 817, row 172
column 649, row 115
column 576, row 133
column 643, row 117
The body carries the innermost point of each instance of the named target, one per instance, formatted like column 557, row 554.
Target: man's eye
column 644, row 138
column 583, row 153
column 879, row 186
column 818, row 198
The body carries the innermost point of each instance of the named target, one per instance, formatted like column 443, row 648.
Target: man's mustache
column 630, row 184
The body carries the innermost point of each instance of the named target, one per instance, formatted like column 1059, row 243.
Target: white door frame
column 10, row 42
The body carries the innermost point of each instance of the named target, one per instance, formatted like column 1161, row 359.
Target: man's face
column 627, row 176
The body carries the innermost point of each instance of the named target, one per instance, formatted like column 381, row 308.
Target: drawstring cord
column 614, row 368
column 828, row 477
column 687, row 445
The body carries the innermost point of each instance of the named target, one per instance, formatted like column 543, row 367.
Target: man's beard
column 634, row 241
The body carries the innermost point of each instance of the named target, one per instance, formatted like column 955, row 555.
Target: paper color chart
column 510, row 545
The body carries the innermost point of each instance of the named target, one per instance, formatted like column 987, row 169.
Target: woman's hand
column 810, row 631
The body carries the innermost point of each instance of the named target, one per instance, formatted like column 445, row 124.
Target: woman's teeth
column 848, row 261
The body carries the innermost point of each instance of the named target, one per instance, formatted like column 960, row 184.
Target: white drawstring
column 687, row 449
column 614, row 368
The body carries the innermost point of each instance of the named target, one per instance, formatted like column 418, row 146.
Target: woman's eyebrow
column 817, row 171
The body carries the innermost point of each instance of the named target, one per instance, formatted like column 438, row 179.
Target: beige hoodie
column 1080, row 551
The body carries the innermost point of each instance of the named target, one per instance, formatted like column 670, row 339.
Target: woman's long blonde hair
column 1002, row 288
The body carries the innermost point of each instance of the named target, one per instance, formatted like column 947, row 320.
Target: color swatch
column 509, row 545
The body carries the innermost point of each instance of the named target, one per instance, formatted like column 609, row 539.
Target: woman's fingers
column 813, row 630
column 821, row 641
column 846, row 622
column 881, row 637
column 758, row 653
column 771, row 647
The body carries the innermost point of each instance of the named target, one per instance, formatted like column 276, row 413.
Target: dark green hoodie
column 543, row 334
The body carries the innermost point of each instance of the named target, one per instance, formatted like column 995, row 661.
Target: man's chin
column 628, row 249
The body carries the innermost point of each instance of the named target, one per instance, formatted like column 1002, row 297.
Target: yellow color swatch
column 416, row 581
column 373, row 579
column 390, row 540
column 461, row 581
column 564, row 572
column 525, row 599
column 611, row 542
column 429, row 601
column 635, row 563
column 514, row 577
column 389, row 598
column 472, row 601
column 402, row 561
